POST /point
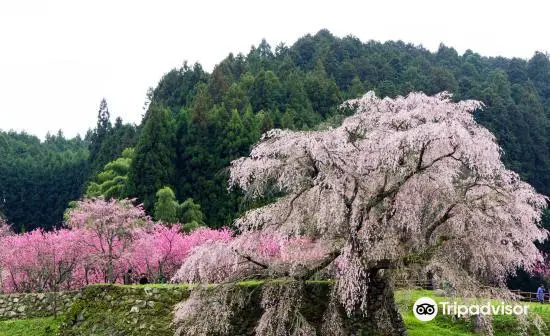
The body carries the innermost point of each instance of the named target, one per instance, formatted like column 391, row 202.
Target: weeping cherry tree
column 407, row 182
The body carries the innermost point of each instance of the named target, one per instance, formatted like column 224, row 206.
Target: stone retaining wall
column 30, row 305
column 149, row 310
column 124, row 310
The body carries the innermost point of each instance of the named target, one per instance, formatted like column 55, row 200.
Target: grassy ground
column 441, row 325
column 33, row 327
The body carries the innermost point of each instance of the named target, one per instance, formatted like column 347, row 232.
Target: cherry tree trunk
column 382, row 316
column 110, row 266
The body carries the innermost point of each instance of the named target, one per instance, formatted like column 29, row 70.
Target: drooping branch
column 251, row 260
column 434, row 161
column 291, row 205
column 314, row 270
column 438, row 222
column 371, row 183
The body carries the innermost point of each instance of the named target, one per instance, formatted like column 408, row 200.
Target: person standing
column 127, row 278
column 143, row 279
column 540, row 294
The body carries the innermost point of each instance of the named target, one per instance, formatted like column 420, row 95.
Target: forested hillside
column 37, row 179
column 197, row 122
column 217, row 116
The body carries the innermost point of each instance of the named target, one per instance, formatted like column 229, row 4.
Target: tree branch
column 446, row 215
column 249, row 259
column 311, row 272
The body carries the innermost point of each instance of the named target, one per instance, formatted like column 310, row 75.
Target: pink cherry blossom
column 109, row 227
column 410, row 182
column 41, row 261
column 159, row 251
column 103, row 241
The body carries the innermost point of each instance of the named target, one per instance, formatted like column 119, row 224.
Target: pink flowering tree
column 407, row 182
column 68, row 259
column 41, row 261
column 159, row 251
column 543, row 268
column 250, row 255
column 109, row 226
column 5, row 230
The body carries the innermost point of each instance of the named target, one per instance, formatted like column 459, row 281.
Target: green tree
column 442, row 80
column 99, row 134
column 112, row 182
column 287, row 121
column 191, row 215
column 178, row 87
column 266, row 91
column 321, row 90
column 153, row 166
column 251, row 127
column 234, row 143
column 356, row 88
column 166, row 206
column 236, row 98
column 265, row 121
column 218, row 85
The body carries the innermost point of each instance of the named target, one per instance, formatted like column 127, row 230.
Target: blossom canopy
column 404, row 180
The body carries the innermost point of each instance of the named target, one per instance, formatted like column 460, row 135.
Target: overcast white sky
column 59, row 58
